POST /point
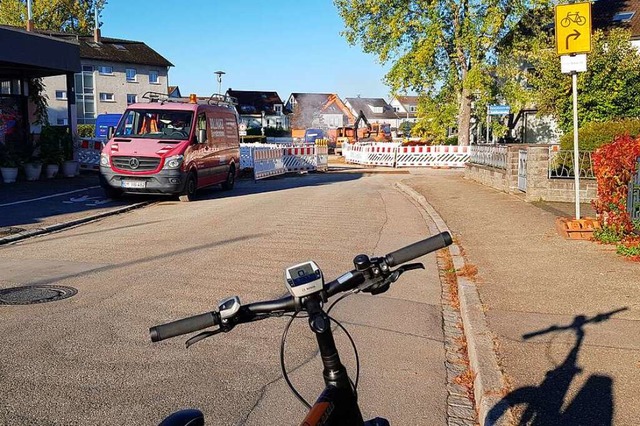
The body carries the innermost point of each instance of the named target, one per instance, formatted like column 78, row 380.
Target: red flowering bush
column 614, row 164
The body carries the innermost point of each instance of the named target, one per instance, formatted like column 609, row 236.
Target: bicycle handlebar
column 346, row 282
column 184, row 326
column 418, row 249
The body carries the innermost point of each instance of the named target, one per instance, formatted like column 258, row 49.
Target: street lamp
column 219, row 75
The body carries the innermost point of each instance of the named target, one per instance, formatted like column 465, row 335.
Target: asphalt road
column 30, row 206
column 88, row 359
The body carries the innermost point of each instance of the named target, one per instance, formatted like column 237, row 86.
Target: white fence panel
column 267, row 162
column 381, row 154
column 432, row 156
column 300, row 159
column 322, row 154
column 87, row 153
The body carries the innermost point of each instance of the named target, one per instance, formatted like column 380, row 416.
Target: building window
column 412, row 109
column 61, row 95
column 85, row 100
column 104, row 70
column 107, row 97
column 62, row 122
column 623, row 16
column 278, row 109
column 132, row 98
column 131, row 74
column 153, row 77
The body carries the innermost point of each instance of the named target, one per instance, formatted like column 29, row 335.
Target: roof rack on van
column 156, row 97
column 220, row 99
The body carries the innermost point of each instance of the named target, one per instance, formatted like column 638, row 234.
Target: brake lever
column 392, row 278
column 195, row 339
column 410, row 266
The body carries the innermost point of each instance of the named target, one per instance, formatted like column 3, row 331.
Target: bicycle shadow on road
column 543, row 404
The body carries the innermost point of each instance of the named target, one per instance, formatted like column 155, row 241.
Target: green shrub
column 451, row 140
column 56, row 144
column 629, row 249
column 595, row 134
column 607, row 235
column 86, row 130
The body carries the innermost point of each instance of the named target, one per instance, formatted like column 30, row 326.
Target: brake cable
column 285, row 375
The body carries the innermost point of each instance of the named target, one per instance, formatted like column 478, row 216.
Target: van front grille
column 135, row 164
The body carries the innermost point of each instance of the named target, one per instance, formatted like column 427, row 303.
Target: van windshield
column 155, row 124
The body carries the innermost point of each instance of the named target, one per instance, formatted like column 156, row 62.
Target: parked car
column 172, row 147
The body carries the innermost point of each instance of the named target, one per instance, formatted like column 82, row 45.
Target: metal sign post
column 576, row 163
column 573, row 37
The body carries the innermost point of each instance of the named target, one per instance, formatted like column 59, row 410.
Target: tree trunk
column 464, row 118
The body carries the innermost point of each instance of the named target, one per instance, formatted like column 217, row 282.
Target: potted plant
column 51, row 150
column 8, row 165
column 70, row 167
column 32, row 169
column 32, row 163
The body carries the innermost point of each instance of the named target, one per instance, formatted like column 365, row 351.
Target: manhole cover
column 31, row 294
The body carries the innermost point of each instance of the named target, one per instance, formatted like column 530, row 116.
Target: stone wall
column 539, row 185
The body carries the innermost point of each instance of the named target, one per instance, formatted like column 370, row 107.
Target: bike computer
column 229, row 307
column 304, row 279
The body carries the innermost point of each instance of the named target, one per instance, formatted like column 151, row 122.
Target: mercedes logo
column 134, row 163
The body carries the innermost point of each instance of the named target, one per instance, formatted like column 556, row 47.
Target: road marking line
column 48, row 196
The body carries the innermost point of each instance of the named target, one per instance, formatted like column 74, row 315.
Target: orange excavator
column 374, row 132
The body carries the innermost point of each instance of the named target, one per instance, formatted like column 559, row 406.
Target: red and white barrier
column 433, row 156
column 87, row 153
column 267, row 162
column 395, row 155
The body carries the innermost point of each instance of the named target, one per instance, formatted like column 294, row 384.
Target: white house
column 376, row 110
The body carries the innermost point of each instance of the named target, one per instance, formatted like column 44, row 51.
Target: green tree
column 439, row 48
column 72, row 16
column 531, row 77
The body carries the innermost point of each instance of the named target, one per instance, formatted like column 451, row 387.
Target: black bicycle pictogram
column 573, row 17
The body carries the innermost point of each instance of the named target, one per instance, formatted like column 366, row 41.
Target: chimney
column 96, row 29
column 29, row 16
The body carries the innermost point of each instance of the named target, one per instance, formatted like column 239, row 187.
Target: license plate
column 133, row 184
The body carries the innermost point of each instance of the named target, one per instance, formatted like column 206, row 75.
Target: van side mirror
column 202, row 135
column 110, row 132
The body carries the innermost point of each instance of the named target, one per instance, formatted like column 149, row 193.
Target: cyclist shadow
column 591, row 406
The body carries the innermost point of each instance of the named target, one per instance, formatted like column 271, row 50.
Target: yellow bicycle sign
column 573, row 28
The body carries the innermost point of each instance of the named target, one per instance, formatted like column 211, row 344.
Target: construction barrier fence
column 87, row 153
column 271, row 159
column 396, row 155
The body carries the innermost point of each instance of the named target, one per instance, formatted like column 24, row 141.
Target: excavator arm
column 361, row 117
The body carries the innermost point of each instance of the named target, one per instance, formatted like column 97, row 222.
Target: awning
column 27, row 55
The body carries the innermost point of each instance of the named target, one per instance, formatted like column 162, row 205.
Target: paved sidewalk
column 565, row 314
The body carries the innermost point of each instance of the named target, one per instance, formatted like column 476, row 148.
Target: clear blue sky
column 282, row 45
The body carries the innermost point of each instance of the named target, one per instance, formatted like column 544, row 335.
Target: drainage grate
column 31, row 294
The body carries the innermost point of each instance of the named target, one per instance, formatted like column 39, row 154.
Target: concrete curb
column 58, row 226
column 489, row 383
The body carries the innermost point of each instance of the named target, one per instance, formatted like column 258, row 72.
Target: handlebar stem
column 334, row 373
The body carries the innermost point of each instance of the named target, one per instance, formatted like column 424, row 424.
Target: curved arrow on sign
column 575, row 34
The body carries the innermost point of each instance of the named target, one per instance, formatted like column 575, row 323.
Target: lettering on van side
column 217, row 127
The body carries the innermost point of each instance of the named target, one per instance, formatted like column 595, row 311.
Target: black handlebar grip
column 405, row 254
column 183, row 326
